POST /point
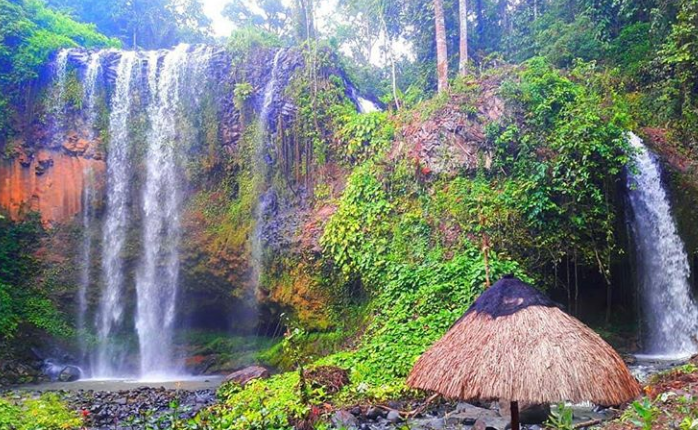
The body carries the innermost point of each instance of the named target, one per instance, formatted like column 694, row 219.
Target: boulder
column 199, row 364
column 529, row 413
column 243, row 376
column 69, row 374
column 467, row 414
column 344, row 420
column 393, row 416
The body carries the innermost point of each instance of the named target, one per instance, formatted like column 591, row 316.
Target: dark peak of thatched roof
column 508, row 296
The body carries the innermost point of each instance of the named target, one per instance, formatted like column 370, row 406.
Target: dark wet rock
column 69, row 374
column 480, row 425
column 247, row 374
column 15, row 372
column 393, row 416
column 374, row 413
column 105, row 409
column 345, row 420
column 467, row 414
column 528, row 413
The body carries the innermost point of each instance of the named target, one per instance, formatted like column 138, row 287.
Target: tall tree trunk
column 441, row 50
column 463, row 43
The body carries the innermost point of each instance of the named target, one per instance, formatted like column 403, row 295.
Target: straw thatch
column 515, row 344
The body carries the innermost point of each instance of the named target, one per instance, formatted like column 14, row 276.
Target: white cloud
column 221, row 25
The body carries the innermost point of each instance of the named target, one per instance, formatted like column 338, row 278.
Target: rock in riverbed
column 247, row 374
column 121, row 409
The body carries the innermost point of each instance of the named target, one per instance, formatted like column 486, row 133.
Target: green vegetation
column 30, row 33
column 47, row 412
column 23, row 303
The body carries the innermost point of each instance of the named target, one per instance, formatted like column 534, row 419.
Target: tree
column 270, row 15
column 463, row 45
column 441, row 49
column 305, row 20
column 150, row 24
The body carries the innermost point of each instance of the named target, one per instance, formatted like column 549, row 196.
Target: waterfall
column 261, row 167
column 151, row 97
column 156, row 282
column 86, row 257
column 94, row 67
column 116, row 223
column 670, row 312
column 90, row 97
column 58, row 96
column 367, row 106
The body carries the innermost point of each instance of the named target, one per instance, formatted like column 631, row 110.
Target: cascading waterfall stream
column 90, row 96
column 668, row 308
column 116, row 223
column 86, row 257
column 94, row 68
column 174, row 81
column 156, row 282
column 58, row 96
column 261, row 167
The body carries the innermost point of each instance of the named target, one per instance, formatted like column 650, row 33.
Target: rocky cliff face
column 249, row 183
column 48, row 181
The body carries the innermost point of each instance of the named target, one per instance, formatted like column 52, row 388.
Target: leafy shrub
column 562, row 43
column 360, row 218
column 243, row 41
column 362, row 136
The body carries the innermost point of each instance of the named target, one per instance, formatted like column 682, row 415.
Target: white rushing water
column 367, row 106
column 58, row 97
column 151, row 96
column 90, row 97
column 668, row 309
column 179, row 75
column 261, row 168
column 92, row 74
column 156, row 281
column 86, row 257
column 115, row 229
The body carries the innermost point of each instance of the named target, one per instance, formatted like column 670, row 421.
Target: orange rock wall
column 50, row 183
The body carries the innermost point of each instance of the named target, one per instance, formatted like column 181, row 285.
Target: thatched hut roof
column 514, row 343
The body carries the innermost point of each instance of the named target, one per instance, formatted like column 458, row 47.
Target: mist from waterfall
column 669, row 312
